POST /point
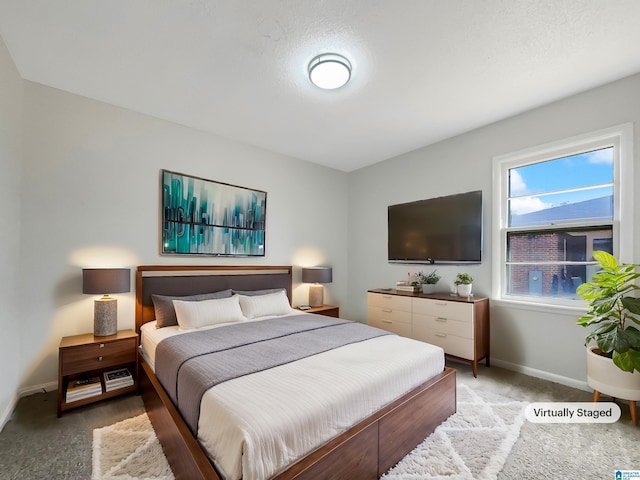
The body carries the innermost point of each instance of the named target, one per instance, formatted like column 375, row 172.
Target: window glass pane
column 557, row 276
column 592, row 205
column 550, row 281
column 566, row 173
column 604, row 244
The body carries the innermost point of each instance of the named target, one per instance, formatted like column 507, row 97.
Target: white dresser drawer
column 399, row 328
column 444, row 309
column 452, row 344
column 443, row 325
column 389, row 302
column 397, row 316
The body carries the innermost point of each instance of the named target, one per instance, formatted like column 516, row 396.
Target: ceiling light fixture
column 329, row 71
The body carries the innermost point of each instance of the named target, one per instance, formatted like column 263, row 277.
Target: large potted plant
column 613, row 363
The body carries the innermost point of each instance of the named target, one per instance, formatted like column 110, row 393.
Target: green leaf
column 634, row 356
column 606, row 260
column 623, row 361
column 632, row 304
column 627, row 361
column 605, row 341
column 621, row 341
column 633, row 337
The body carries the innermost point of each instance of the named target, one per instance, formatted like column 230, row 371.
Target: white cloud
column 604, row 156
column 516, row 184
column 520, row 206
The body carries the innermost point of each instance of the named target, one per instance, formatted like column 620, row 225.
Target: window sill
column 555, row 309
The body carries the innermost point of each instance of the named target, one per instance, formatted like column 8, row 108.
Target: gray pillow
column 166, row 314
column 253, row 293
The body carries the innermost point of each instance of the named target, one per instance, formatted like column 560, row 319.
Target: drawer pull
column 99, row 359
column 444, row 304
column 441, row 319
column 441, row 335
column 101, row 345
column 387, row 321
column 387, row 296
column 385, row 310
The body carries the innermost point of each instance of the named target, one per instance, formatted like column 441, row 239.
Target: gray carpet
column 35, row 444
column 554, row 451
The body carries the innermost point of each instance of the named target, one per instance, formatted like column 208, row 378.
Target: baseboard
column 551, row 377
column 6, row 415
column 24, row 392
column 43, row 387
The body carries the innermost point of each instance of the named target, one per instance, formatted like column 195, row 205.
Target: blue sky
column 577, row 171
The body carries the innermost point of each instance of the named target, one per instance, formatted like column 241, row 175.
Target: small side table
column 327, row 310
column 85, row 356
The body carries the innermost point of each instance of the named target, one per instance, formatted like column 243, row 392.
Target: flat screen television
column 437, row 230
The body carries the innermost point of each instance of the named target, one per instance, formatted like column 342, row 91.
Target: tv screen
column 437, row 230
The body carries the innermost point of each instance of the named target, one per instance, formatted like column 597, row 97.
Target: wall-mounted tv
column 437, row 230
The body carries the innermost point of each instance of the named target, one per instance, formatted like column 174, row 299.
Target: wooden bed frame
column 365, row 451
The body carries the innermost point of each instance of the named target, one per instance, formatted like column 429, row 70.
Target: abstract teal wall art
column 205, row 217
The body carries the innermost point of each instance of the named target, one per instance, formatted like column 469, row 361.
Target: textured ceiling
column 423, row 70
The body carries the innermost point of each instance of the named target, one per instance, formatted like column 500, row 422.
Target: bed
column 353, row 441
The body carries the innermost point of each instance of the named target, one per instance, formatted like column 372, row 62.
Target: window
column 553, row 206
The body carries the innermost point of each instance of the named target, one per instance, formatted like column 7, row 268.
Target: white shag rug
column 472, row 444
column 129, row 450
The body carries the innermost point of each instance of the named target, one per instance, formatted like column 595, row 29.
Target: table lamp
column 316, row 275
column 105, row 281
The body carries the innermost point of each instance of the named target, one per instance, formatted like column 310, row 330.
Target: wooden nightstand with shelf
column 85, row 356
column 327, row 310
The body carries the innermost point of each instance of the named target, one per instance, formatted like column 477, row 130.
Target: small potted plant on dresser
column 428, row 281
column 464, row 284
column 613, row 363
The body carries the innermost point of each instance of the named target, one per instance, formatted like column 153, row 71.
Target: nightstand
column 87, row 356
column 327, row 310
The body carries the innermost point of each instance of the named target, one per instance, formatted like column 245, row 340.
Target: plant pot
column 464, row 289
column 604, row 376
column 428, row 287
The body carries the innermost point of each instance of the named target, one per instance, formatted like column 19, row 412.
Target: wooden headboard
column 195, row 279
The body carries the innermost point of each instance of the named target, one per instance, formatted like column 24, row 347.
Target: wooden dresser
column 459, row 325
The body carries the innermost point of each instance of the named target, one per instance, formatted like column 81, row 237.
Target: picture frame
column 205, row 217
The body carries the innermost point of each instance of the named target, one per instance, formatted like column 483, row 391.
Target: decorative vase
column 604, row 376
column 428, row 287
column 464, row 289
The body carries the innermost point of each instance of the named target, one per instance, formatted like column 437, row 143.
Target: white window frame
column 621, row 138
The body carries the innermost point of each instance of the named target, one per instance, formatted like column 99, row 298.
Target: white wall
column 91, row 198
column 10, row 221
column 546, row 343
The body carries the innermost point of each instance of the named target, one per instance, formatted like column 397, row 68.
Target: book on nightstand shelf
column 83, row 388
column 117, row 379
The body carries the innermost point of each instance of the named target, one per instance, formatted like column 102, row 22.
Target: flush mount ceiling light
column 329, row 71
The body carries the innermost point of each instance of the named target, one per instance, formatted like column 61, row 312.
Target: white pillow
column 265, row 305
column 204, row 313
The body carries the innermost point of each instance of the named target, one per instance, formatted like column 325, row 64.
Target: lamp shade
column 106, row 280
column 317, row 275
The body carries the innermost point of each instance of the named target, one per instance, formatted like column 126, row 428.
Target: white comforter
column 254, row 426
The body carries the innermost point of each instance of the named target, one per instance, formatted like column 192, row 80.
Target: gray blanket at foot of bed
column 188, row 365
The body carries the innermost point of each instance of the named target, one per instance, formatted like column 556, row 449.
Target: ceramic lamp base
column 105, row 317
column 316, row 294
